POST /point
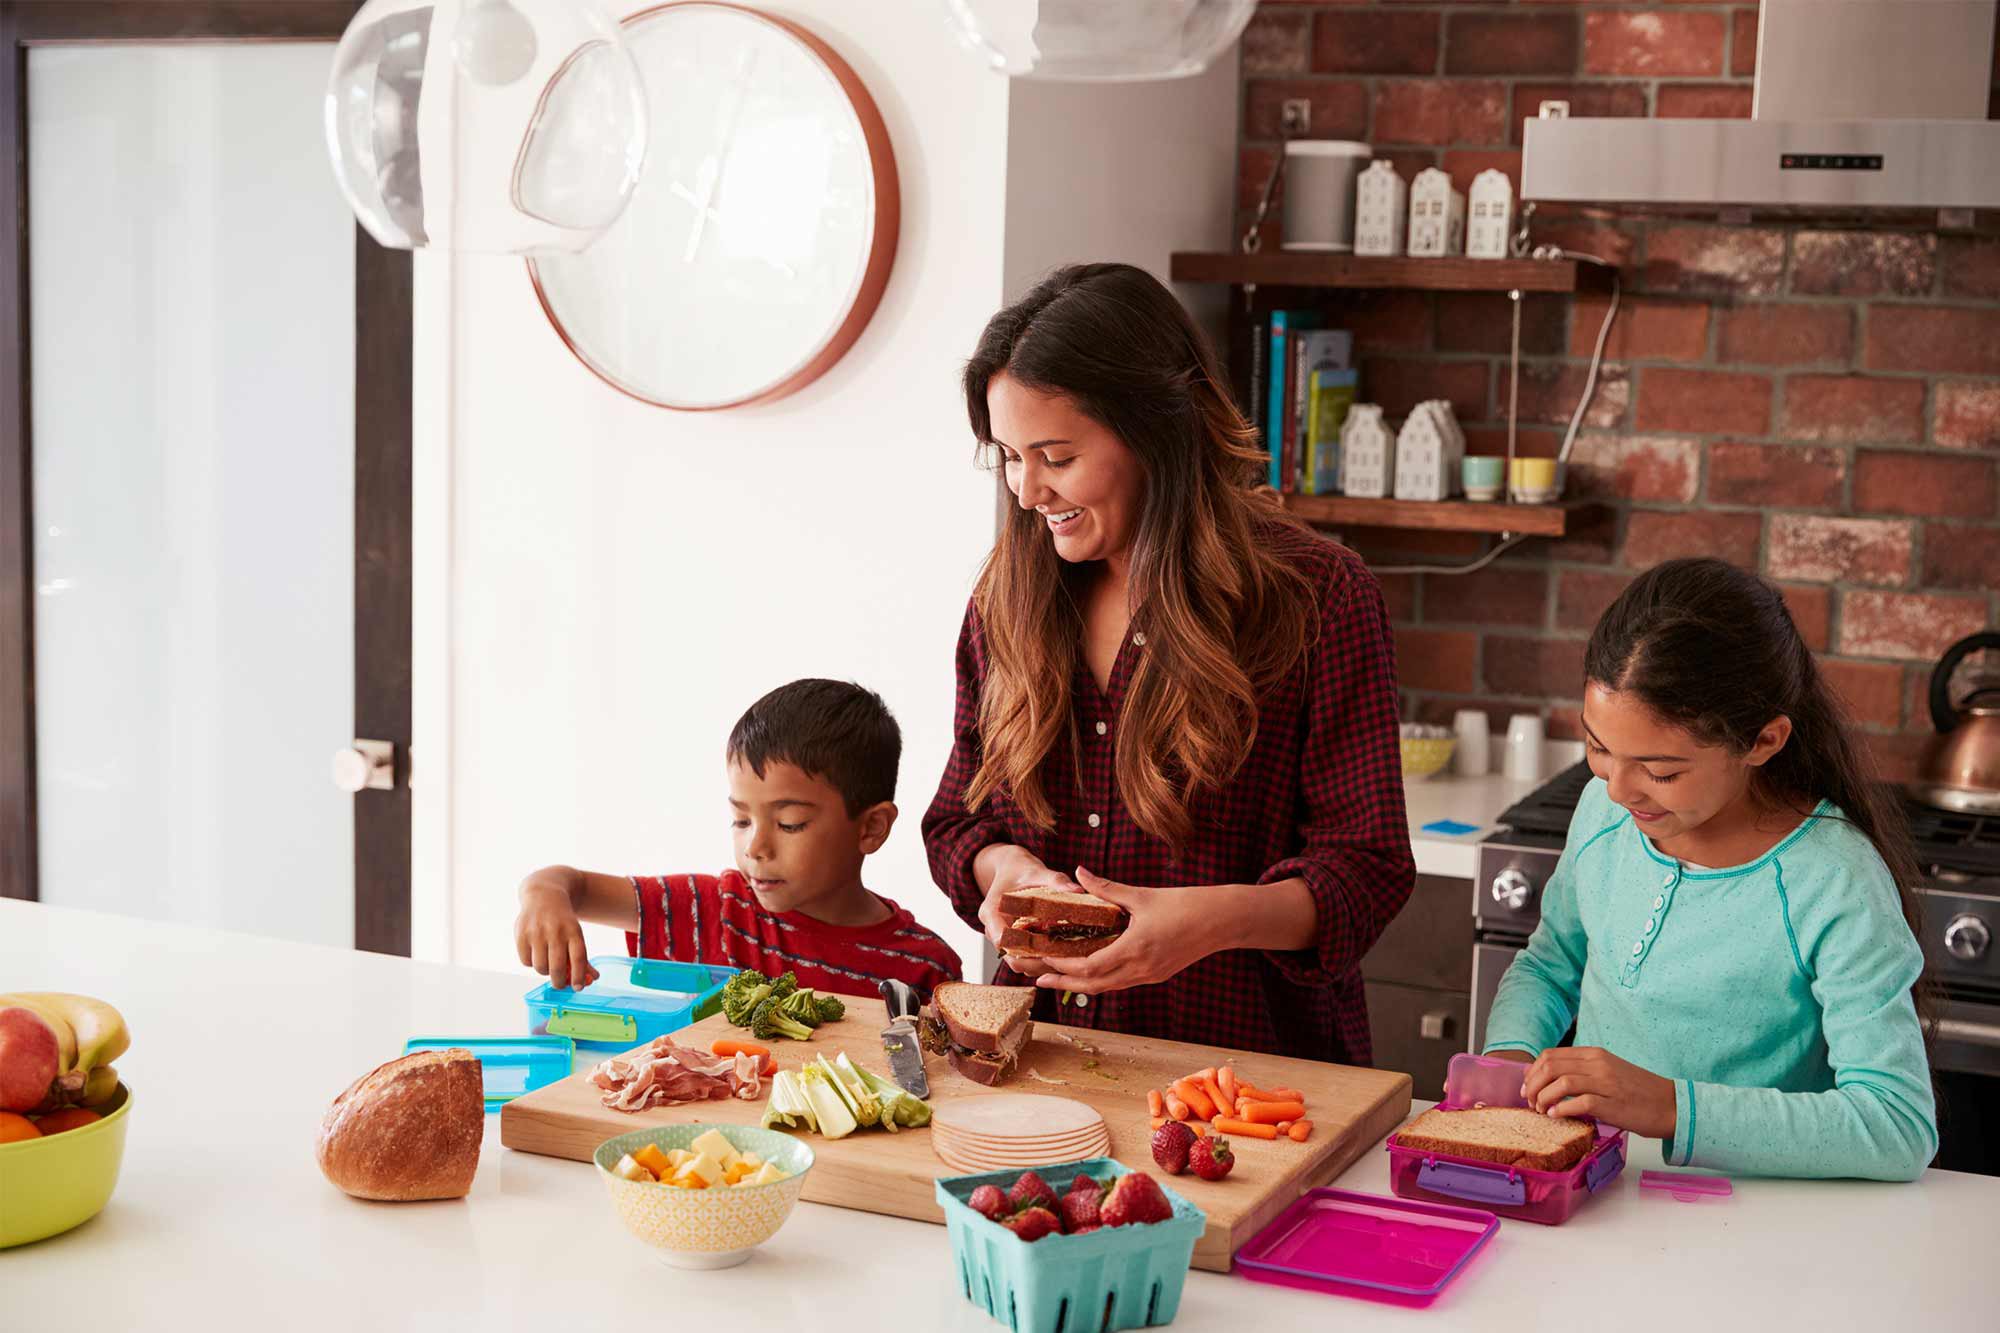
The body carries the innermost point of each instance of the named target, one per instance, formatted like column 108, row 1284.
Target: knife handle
column 900, row 997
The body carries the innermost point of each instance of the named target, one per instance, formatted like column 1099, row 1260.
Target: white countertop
column 1475, row 801
column 222, row 1220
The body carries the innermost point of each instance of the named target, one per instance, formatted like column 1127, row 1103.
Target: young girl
column 1728, row 926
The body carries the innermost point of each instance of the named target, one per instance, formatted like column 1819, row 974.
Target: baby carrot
column 1282, row 1126
column 1190, row 1092
column 1200, row 1130
column 1177, row 1108
column 1154, row 1103
column 1300, row 1131
column 1246, row 1128
column 1269, row 1094
column 725, row 1046
column 1225, row 1078
column 1157, row 1121
column 1270, row 1113
column 1215, row 1096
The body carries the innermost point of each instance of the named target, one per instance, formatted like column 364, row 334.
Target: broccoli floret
column 801, row 1006
column 830, row 1009
column 741, row 995
column 784, row 985
column 770, row 1020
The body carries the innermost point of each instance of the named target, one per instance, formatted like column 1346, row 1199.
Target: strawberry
column 1080, row 1210
column 1029, row 1190
column 1211, row 1158
column 1094, row 1226
column 1171, row 1143
column 1135, row 1198
column 1086, row 1184
column 1033, row 1223
column 988, row 1201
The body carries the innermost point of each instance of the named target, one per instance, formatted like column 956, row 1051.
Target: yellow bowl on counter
column 51, row 1184
column 705, row 1228
column 1426, row 756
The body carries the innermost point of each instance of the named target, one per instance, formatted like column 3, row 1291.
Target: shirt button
column 1638, row 947
column 1095, row 821
column 1667, row 883
column 1101, row 728
column 1083, row 1002
column 1651, row 923
column 1659, row 901
column 1139, row 640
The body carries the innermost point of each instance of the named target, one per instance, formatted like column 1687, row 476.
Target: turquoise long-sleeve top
column 1775, row 994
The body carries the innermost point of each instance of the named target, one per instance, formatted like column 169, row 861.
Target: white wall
column 602, row 587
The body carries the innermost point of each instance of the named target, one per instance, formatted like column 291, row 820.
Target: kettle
column 1961, row 770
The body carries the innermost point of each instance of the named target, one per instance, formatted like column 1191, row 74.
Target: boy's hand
column 1584, row 1080
column 549, row 938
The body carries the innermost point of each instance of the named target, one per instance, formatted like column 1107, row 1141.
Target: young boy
column 812, row 785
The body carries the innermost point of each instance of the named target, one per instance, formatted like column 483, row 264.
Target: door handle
column 365, row 764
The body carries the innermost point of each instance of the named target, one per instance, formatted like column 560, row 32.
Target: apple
column 30, row 1059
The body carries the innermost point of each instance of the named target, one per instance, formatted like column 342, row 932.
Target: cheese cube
column 631, row 1170
column 654, row 1160
column 702, row 1167
column 714, row 1145
column 751, row 1159
column 765, row 1175
column 676, row 1157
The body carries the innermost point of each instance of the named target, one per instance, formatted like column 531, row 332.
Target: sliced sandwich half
column 1058, row 923
column 980, row 1029
column 1504, row 1135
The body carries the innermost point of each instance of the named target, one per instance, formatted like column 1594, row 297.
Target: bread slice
column 1030, row 944
column 1062, row 906
column 993, row 1019
column 992, row 1067
column 409, row 1129
column 1504, row 1135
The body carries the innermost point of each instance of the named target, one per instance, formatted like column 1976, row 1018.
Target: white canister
column 1319, row 192
column 1524, row 747
column 1473, row 756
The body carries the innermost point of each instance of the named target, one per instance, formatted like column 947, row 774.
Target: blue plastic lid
column 509, row 1067
column 636, row 986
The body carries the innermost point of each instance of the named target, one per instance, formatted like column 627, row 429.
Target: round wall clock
column 761, row 233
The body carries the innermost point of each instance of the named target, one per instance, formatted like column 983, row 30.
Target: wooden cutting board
column 1351, row 1110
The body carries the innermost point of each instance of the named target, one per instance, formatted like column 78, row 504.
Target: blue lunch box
column 632, row 1001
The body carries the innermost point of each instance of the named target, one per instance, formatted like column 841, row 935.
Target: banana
column 97, row 1089
column 99, row 1030
column 65, row 1034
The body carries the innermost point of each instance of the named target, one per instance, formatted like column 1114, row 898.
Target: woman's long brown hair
column 1224, row 615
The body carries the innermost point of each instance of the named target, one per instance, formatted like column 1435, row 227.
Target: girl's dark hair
column 1712, row 649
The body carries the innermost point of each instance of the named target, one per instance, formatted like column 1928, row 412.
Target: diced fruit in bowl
column 704, row 1195
column 1426, row 749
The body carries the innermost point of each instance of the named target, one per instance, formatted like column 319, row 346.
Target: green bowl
column 711, row 1228
column 64, row 1180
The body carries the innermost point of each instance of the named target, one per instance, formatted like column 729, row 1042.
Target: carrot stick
column 1225, row 1078
column 1177, row 1108
column 1215, row 1096
column 1300, row 1131
column 1190, row 1092
column 1270, row 1113
column 1283, row 1125
column 1154, row 1104
column 1200, row 1130
column 726, row 1046
column 1201, row 1076
column 1269, row 1094
column 1246, row 1128
column 1157, row 1121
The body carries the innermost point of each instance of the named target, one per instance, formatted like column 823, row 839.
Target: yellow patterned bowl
column 711, row 1228
column 1424, row 756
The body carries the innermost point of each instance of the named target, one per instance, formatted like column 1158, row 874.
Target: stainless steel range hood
column 1858, row 103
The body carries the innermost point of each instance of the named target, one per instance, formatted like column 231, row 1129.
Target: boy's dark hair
column 839, row 732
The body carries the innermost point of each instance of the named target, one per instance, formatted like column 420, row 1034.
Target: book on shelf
column 1285, row 324
column 1313, row 351
column 1329, row 396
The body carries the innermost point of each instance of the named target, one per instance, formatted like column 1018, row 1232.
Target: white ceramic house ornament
column 1381, row 202
column 1437, row 216
column 1489, row 215
column 1367, row 454
column 1428, row 452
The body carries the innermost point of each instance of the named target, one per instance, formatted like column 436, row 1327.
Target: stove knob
column 1966, row 938
column 1512, row 889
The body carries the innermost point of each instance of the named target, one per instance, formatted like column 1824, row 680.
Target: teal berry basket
column 1113, row 1278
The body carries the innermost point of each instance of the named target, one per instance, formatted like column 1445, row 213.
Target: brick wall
column 1819, row 401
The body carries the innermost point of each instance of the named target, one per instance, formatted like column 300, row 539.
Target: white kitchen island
column 222, row 1220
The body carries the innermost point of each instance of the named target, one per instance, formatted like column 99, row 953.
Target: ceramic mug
column 1534, row 479
column 1481, row 475
column 1472, row 755
column 1524, row 747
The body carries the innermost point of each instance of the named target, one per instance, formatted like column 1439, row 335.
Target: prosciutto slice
column 663, row 1074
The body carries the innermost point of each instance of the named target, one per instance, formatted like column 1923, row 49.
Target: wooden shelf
column 1549, row 520
column 1301, row 268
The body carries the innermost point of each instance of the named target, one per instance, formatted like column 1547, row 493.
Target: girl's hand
column 1020, row 869
column 549, row 939
column 1170, row 929
column 1584, row 1080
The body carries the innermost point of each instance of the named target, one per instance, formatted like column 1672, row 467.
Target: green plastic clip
column 586, row 1026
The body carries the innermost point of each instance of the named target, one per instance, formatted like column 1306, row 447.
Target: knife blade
column 899, row 1039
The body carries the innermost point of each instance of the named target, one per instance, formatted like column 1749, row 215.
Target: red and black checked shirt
column 1319, row 798
column 718, row 920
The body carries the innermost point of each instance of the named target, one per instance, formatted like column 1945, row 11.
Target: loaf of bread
column 408, row 1130
column 1505, row 1135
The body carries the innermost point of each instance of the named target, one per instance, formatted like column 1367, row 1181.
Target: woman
column 1168, row 690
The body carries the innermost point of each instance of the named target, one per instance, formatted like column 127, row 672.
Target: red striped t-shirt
column 718, row 920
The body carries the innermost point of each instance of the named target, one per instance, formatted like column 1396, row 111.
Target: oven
column 1958, row 896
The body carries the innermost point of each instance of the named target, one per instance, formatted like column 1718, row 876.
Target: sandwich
column 1505, row 1135
column 980, row 1029
column 1058, row 923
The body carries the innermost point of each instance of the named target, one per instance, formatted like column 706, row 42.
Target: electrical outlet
column 1297, row 116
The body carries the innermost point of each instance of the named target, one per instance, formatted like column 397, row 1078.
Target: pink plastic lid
column 1483, row 1080
column 1685, row 1187
column 1331, row 1238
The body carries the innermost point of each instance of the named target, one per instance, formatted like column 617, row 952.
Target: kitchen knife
column 899, row 1039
